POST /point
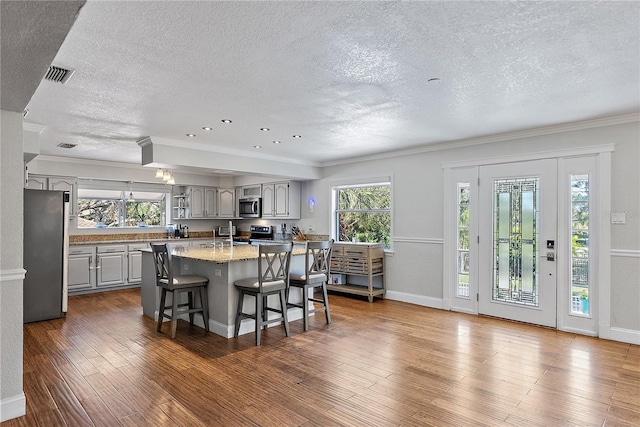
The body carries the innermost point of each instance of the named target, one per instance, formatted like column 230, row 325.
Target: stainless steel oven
column 250, row 207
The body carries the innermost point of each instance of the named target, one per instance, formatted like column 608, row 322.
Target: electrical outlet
column 312, row 228
column 186, row 267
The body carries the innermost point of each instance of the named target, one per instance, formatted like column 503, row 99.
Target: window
column 580, row 244
column 363, row 213
column 104, row 208
column 464, row 192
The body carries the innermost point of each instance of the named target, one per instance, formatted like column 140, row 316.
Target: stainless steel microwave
column 250, row 207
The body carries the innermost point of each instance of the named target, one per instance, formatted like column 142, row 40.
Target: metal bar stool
column 176, row 285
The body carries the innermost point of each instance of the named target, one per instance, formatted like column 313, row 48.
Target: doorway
column 523, row 240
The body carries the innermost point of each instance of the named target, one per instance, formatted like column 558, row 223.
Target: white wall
column 12, row 400
column 414, row 271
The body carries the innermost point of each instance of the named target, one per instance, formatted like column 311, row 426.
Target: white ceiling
column 350, row 77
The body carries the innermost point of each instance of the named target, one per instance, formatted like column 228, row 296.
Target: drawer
column 111, row 248
column 138, row 246
column 337, row 251
column 356, row 251
column 81, row 250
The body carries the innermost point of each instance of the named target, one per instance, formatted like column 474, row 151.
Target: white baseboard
column 415, row 299
column 620, row 334
column 579, row 331
column 13, row 407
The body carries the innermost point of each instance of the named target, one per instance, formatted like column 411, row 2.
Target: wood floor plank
column 383, row 364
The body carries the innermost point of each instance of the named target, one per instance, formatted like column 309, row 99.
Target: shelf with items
column 358, row 268
column 180, row 208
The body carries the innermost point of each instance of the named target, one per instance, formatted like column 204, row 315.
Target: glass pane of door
column 462, row 289
column 515, row 218
column 580, row 244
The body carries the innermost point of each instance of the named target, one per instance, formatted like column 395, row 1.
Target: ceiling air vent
column 58, row 74
column 65, row 145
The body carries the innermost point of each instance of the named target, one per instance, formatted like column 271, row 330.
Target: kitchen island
column 222, row 267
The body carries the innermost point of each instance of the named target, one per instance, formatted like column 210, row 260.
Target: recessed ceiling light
column 434, row 80
column 264, row 129
column 276, row 142
column 257, row 146
column 207, row 128
column 297, row 136
column 191, row 135
column 226, row 121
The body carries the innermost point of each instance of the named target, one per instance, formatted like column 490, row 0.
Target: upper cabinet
column 58, row 183
column 206, row 203
column 226, row 202
column 281, row 200
column 251, row 191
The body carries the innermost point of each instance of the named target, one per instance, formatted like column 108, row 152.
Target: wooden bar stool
column 273, row 279
column 176, row 285
column 315, row 275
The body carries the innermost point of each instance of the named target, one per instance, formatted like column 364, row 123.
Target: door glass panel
column 463, row 240
column 515, row 242
column 580, row 244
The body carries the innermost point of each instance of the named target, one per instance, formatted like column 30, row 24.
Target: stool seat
column 190, row 284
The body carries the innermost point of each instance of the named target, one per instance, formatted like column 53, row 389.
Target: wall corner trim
column 13, row 407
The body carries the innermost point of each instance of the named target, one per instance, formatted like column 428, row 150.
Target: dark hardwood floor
column 381, row 364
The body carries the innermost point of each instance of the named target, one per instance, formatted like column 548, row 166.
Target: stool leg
column 325, row 298
column 305, row 307
column 175, row 296
column 239, row 314
column 191, row 314
column 259, row 314
column 163, row 298
column 204, row 303
column 283, row 305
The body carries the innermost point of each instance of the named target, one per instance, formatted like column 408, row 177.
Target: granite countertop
column 226, row 254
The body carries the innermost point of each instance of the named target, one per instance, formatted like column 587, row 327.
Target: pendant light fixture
column 131, row 199
column 159, row 173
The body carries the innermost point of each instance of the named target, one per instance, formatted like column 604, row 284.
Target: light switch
column 618, row 218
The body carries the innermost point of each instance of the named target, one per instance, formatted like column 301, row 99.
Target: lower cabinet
column 102, row 267
column 134, row 258
column 111, row 266
column 81, row 268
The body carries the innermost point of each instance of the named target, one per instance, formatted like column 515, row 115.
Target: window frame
column 355, row 183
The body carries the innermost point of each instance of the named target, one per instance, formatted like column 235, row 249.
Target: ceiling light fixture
column 226, row 121
column 257, row 146
column 159, row 173
column 264, row 129
column 207, row 128
column 276, row 142
column 166, row 176
column 433, row 81
column 131, row 199
column 191, row 135
column 172, row 181
column 297, row 136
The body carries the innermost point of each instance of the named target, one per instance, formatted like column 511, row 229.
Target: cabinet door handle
column 98, row 262
column 90, row 262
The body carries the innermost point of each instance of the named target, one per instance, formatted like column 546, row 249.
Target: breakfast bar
column 222, row 266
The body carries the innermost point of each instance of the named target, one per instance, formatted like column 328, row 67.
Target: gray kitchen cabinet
column 111, row 266
column 196, row 202
column 226, row 203
column 281, row 200
column 82, row 268
column 58, row 183
column 251, row 190
column 134, row 262
column 202, row 202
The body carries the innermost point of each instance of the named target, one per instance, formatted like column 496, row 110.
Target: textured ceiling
column 349, row 77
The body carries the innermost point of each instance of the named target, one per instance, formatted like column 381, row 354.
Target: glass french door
column 517, row 243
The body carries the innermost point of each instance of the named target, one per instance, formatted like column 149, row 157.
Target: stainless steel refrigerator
column 46, row 247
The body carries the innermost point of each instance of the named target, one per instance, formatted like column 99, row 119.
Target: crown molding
column 527, row 133
column 32, row 127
